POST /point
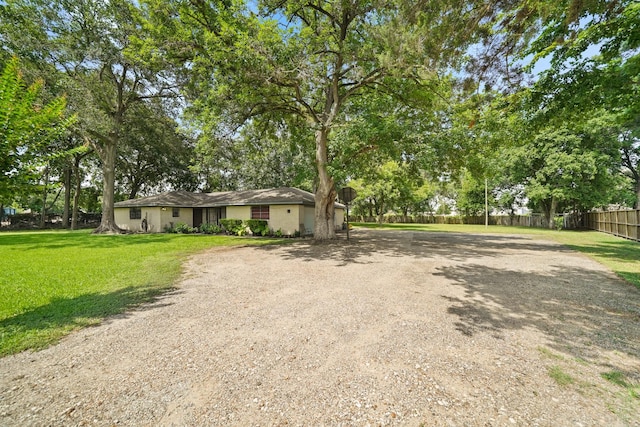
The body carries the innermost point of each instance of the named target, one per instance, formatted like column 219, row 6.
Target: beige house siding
column 239, row 212
column 284, row 218
column 308, row 219
column 339, row 218
column 167, row 218
column 281, row 217
column 287, row 218
column 157, row 218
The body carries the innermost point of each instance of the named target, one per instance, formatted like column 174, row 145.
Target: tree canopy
column 27, row 125
column 395, row 96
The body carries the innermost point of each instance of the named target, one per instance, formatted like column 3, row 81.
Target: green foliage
column 247, row 65
column 257, row 226
column 390, row 186
column 26, row 128
column 87, row 46
column 210, row 229
column 558, row 222
column 563, row 170
column 232, row 226
column 153, row 153
column 56, row 282
column 471, row 196
column 269, row 152
column 619, row 378
column 559, row 376
column 183, row 228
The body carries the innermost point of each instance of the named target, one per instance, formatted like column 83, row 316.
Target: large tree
column 564, row 170
column 593, row 54
column 269, row 151
column 311, row 59
column 89, row 41
column 153, row 156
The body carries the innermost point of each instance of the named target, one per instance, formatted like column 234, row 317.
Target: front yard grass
column 54, row 282
column 622, row 256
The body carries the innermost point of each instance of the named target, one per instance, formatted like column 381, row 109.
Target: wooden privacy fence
column 619, row 223
column 515, row 220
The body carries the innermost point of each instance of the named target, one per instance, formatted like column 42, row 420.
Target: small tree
column 27, row 126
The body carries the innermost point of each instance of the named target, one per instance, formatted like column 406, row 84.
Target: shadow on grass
column 45, row 325
column 619, row 253
column 623, row 250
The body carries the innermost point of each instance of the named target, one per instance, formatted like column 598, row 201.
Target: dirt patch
column 393, row 328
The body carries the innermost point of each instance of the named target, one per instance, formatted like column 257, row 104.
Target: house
column 286, row 209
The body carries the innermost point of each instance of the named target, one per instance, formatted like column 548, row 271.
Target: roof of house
column 270, row 196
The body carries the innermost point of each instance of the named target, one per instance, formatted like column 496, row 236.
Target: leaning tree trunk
column 45, row 190
column 108, row 156
column 76, row 193
column 325, row 193
column 67, row 197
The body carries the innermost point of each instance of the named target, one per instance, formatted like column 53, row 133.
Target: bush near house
column 258, row 226
column 210, row 229
column 232, row 226
column 238, row 227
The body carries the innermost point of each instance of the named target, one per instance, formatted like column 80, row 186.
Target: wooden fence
column 534, row 220
column 619, row 223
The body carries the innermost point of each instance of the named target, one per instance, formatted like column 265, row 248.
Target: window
column 176, row 212
column 259, row 212
column 135, row 213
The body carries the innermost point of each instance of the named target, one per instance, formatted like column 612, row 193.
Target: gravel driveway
column 393, row 328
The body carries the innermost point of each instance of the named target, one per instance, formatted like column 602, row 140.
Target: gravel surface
column 392, row 328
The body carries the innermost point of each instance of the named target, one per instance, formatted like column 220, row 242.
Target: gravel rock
column 391, row 328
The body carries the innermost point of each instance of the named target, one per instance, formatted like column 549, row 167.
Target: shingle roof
column 270, row 196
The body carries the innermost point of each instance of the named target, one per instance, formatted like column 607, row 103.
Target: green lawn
column 620, row 255
column 54, row 282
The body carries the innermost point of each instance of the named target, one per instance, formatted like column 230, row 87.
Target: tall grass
column 54, row 282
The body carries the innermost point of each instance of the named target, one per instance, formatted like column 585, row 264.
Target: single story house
column 286, row 209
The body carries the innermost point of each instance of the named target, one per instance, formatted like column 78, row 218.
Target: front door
column 197, row 217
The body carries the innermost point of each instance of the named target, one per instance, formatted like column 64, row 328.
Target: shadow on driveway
column 510, row 282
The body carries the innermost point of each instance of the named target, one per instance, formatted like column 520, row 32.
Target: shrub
column 183, row 228
column 258, row 226
column 210, row 229
column 558, row 222
column 232, row 226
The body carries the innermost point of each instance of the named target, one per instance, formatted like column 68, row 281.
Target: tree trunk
column 325, row 195
column 636, row 205
column 135, row 187
column 76, row 193
column 381, row 210
column 552, row 213
column 67, row 197
column 108, row 156
column 43, row 214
